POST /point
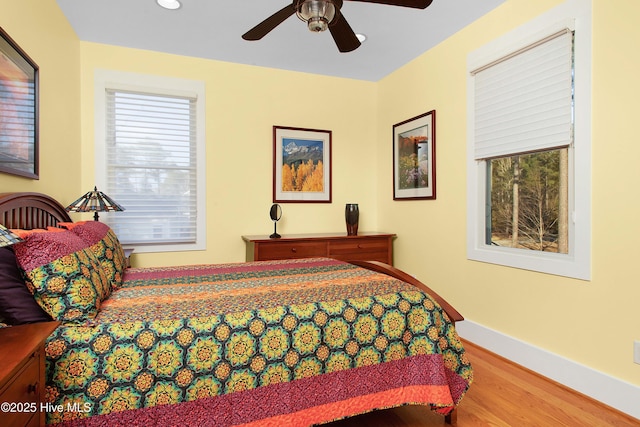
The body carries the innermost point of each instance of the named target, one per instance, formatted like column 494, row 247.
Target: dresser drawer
column 288, row 250
column 369, row 249
column 22, row 391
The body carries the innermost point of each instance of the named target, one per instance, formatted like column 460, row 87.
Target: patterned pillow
column 64, row 275
column 105, row 245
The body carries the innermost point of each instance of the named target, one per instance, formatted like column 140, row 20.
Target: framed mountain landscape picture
column 414, row 158
column 301, row 165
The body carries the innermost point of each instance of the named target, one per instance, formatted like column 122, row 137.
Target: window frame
column 576, row 15
column 160, row 85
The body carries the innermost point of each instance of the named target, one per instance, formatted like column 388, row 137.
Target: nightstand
column 22, row 375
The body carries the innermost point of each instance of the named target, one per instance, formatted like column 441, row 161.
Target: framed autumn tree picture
column 301, row 165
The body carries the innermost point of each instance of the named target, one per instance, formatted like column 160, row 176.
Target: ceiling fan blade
column 342, row 34
column 416, row 4
column 263, row 28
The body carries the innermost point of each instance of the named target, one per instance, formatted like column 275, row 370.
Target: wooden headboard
column 30, row 210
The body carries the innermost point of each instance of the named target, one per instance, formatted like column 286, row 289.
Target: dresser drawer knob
column 32, row 388
column 294, row 250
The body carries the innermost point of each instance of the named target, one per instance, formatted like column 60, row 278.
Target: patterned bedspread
column 292, row 342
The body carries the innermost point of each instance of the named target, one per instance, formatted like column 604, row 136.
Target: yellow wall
column 40, row 29
column 243, row 104
column 593, row 323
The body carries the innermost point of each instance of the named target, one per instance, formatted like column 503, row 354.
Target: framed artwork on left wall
column 301, row 165
column 18, row 110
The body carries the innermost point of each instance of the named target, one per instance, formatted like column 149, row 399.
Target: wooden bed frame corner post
column 452, row 417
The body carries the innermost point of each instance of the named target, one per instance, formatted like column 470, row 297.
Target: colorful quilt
column 292, row 342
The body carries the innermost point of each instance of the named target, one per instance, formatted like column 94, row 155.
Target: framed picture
column 18, row 110
column 414, row 158
column 301, row 165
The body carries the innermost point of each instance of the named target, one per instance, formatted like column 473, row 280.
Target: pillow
column 17, row 305
column 105, row 245
column 63, row 274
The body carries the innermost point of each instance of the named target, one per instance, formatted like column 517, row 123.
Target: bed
column 291, row 342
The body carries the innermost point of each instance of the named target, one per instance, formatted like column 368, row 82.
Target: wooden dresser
column 22, row 376
column 364, row 247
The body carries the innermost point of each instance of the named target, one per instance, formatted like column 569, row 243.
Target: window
column 149, row 147
column 528, row 153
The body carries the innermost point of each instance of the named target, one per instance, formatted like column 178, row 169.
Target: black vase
column 351, row 216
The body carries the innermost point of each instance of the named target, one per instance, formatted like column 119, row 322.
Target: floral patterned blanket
column 292, row 342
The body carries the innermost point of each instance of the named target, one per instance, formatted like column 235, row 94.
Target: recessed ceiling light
column 361, row 37
column 169, row 4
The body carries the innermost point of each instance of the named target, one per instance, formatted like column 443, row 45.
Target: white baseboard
column 611, row 391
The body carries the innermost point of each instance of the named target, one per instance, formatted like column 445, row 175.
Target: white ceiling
column 213, row 29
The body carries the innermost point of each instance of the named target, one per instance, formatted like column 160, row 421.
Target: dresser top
column 326, row 236
column 18, row 342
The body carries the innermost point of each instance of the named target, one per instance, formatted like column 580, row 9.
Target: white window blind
column 523, row 102
column 151, row 166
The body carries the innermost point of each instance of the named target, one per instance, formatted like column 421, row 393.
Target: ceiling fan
column 321, row 15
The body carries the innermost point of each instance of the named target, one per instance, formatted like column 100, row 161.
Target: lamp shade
column 8, row 237
column 94, row 201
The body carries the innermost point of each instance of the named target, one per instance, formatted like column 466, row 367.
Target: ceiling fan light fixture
column 169, row 4
column 318, row 14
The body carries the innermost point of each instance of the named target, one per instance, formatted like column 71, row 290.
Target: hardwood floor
column 504, row 394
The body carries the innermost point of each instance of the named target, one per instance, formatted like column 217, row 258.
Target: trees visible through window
column 529, row 201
